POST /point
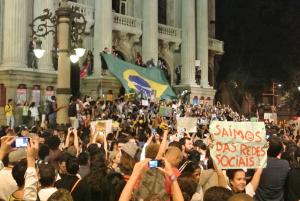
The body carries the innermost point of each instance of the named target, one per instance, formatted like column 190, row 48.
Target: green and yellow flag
column 143, row 80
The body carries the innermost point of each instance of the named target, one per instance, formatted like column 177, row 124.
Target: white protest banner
column 188, row 123
column 145, row 103
column 105, row 125
column 238, row 145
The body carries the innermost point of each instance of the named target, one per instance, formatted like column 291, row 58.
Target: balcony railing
column 216, row 45
column 133, row 25
column 127, row 23
column 169, row 33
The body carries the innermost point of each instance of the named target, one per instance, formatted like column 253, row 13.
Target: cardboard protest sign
column 165, row 111
column 271, row 117
column 189, row 123
column 102, row 125
column 238, row 145
column 145, row 103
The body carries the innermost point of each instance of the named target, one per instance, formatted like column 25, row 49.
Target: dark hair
column 194, row 156
column 47, row 175
column 231, row 173
column 43, row 151
column 83, row 158
column 18, row 172
column 98, row 171
column 176, row 144
column 113, row 185
column 200, row 144
column 32, row 104
column 275, row 147
column 188, row 186
column 72, row 165
column 217, row 193
column 64, row 157
column 53, row 142
column 183, row 140
column 190, row 167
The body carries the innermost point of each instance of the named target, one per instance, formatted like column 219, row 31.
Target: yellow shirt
column 8, row 110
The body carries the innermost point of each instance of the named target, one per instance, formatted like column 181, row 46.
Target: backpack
column 72, row 111
column 152, row 184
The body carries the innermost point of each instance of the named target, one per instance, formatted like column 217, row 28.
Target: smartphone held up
column 21, row 142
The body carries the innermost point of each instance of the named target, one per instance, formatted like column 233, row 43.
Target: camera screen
column 21, row 142
column 153, row 164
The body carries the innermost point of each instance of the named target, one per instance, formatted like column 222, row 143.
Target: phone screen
column 153, row 164
column 21, row 142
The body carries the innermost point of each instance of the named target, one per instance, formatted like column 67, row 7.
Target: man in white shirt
column 8, row 185
column 47, row 180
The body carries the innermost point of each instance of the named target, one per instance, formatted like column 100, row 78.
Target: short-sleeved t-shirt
column 272, row 180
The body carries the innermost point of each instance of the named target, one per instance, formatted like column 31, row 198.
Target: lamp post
column 273, row 94
column 67, row 25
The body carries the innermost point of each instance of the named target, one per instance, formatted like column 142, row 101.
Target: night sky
column 262, row 42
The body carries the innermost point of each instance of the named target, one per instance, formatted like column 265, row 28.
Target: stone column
column 64, row 67
column 150, row 31
column 202, row 40
column 15, row 34
column 188, row 43
column 102, row 31
column 88, row 40
column 1, row 27
column 137, row 4
column 45, row 63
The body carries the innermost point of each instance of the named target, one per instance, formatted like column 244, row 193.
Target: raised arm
column 5, row 148
column 256, row 178
column 163, row 145
column 31, row 178
column 76, row 141
column 136, row 173
column 175, row 189
column 105, row 144
column 67, row 142
column 221, row 178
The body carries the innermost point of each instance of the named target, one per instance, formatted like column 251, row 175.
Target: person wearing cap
column 128, row 158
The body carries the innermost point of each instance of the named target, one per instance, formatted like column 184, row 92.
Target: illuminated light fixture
column 74, row 58
column 79, row 50
column 38, row 51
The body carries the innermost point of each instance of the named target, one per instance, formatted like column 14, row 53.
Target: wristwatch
column 173, row 178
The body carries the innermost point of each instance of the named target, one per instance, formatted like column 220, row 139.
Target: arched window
column 162, row 11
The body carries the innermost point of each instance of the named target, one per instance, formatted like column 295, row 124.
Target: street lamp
column 38, row 51
column 67, row 25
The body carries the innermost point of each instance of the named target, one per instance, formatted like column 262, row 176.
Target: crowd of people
column 143, row 157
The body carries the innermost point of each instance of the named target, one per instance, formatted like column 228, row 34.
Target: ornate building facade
column 178, row 33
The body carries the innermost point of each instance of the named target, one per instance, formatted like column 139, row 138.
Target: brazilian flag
column 143, row 80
